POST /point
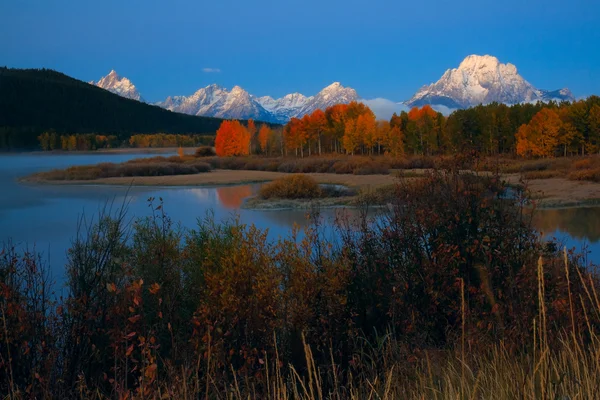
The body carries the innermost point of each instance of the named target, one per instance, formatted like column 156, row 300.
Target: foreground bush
column 449, row 293
column 291, row 187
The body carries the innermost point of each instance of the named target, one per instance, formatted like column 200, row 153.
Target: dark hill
column 35, row 100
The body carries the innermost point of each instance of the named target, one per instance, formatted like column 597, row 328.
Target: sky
column 385, row 49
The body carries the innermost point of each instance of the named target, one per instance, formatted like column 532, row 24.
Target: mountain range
column 477, row 80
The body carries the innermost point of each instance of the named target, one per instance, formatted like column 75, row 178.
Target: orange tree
column 233, row 139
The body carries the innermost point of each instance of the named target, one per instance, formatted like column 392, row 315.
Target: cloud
column 211, row 70
column 384, row 108
column 443, row 109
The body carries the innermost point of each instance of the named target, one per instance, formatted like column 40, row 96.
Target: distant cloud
column 384, row 108
column 211, row 70
column 443, row 109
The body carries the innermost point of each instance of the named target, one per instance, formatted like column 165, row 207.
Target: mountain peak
column 237, row 90
column 334, row 86
column 118, row 85
column 329, row 96
column 482, row 80
column 475, row 60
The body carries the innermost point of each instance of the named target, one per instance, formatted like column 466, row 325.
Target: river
column 44, row 218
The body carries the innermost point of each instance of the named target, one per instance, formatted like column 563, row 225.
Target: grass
column 154, row 166
column 573, row 168
column 337, row 164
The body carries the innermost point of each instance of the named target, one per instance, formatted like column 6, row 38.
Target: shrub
column 156, row 167
column 527, row 166
column 582, row 164
column 205, row 151
column 371, row 168
column 592, row 175
column 541, row 174
column 291, row 187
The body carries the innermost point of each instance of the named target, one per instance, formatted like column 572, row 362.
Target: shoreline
column 552, row 193
column 123, row 150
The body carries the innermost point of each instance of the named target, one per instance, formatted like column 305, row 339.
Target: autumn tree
column 264, row 137
column 351, row 140
column 366, row 129
column 540, row 137
column 292, row 139
column 392, row 138
column 318, row 125
column 252, row 131
column 233, row 139
column 336, row 125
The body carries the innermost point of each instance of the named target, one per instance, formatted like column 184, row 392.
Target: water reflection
column 579, row 223
column 233, row 197
column 47, row 215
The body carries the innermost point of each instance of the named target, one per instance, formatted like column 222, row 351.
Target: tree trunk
column 319, row 143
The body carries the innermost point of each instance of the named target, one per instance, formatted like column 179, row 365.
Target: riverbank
column 223, row 177
column 550, row 193
column 559, row 192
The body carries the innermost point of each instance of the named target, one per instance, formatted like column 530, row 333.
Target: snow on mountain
column 286, row 107
column 482, row 80
column 198, row 103
column 215, row 101
column 331, row 95
column 118, row 85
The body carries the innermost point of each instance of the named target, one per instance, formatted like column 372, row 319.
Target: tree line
column 528, row 130
column 50, row 140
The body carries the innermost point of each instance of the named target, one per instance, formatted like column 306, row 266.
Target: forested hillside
column 33, row 101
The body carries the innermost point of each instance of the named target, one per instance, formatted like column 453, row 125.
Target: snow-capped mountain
column 483, row 80
column 119, row 85
column 331, row 95
column 215, row 101
column 286, row 107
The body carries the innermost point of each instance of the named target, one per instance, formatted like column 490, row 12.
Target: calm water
column 45, row 216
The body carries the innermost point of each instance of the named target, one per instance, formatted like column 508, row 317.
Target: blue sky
column 381, row 48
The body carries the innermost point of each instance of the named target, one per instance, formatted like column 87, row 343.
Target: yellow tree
column 568, row 137
column 540, row 137
column 366, row 130
column 523, row 136
column 394, row 141
column 264, row 136
column 383, row 130
column 351, row 140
